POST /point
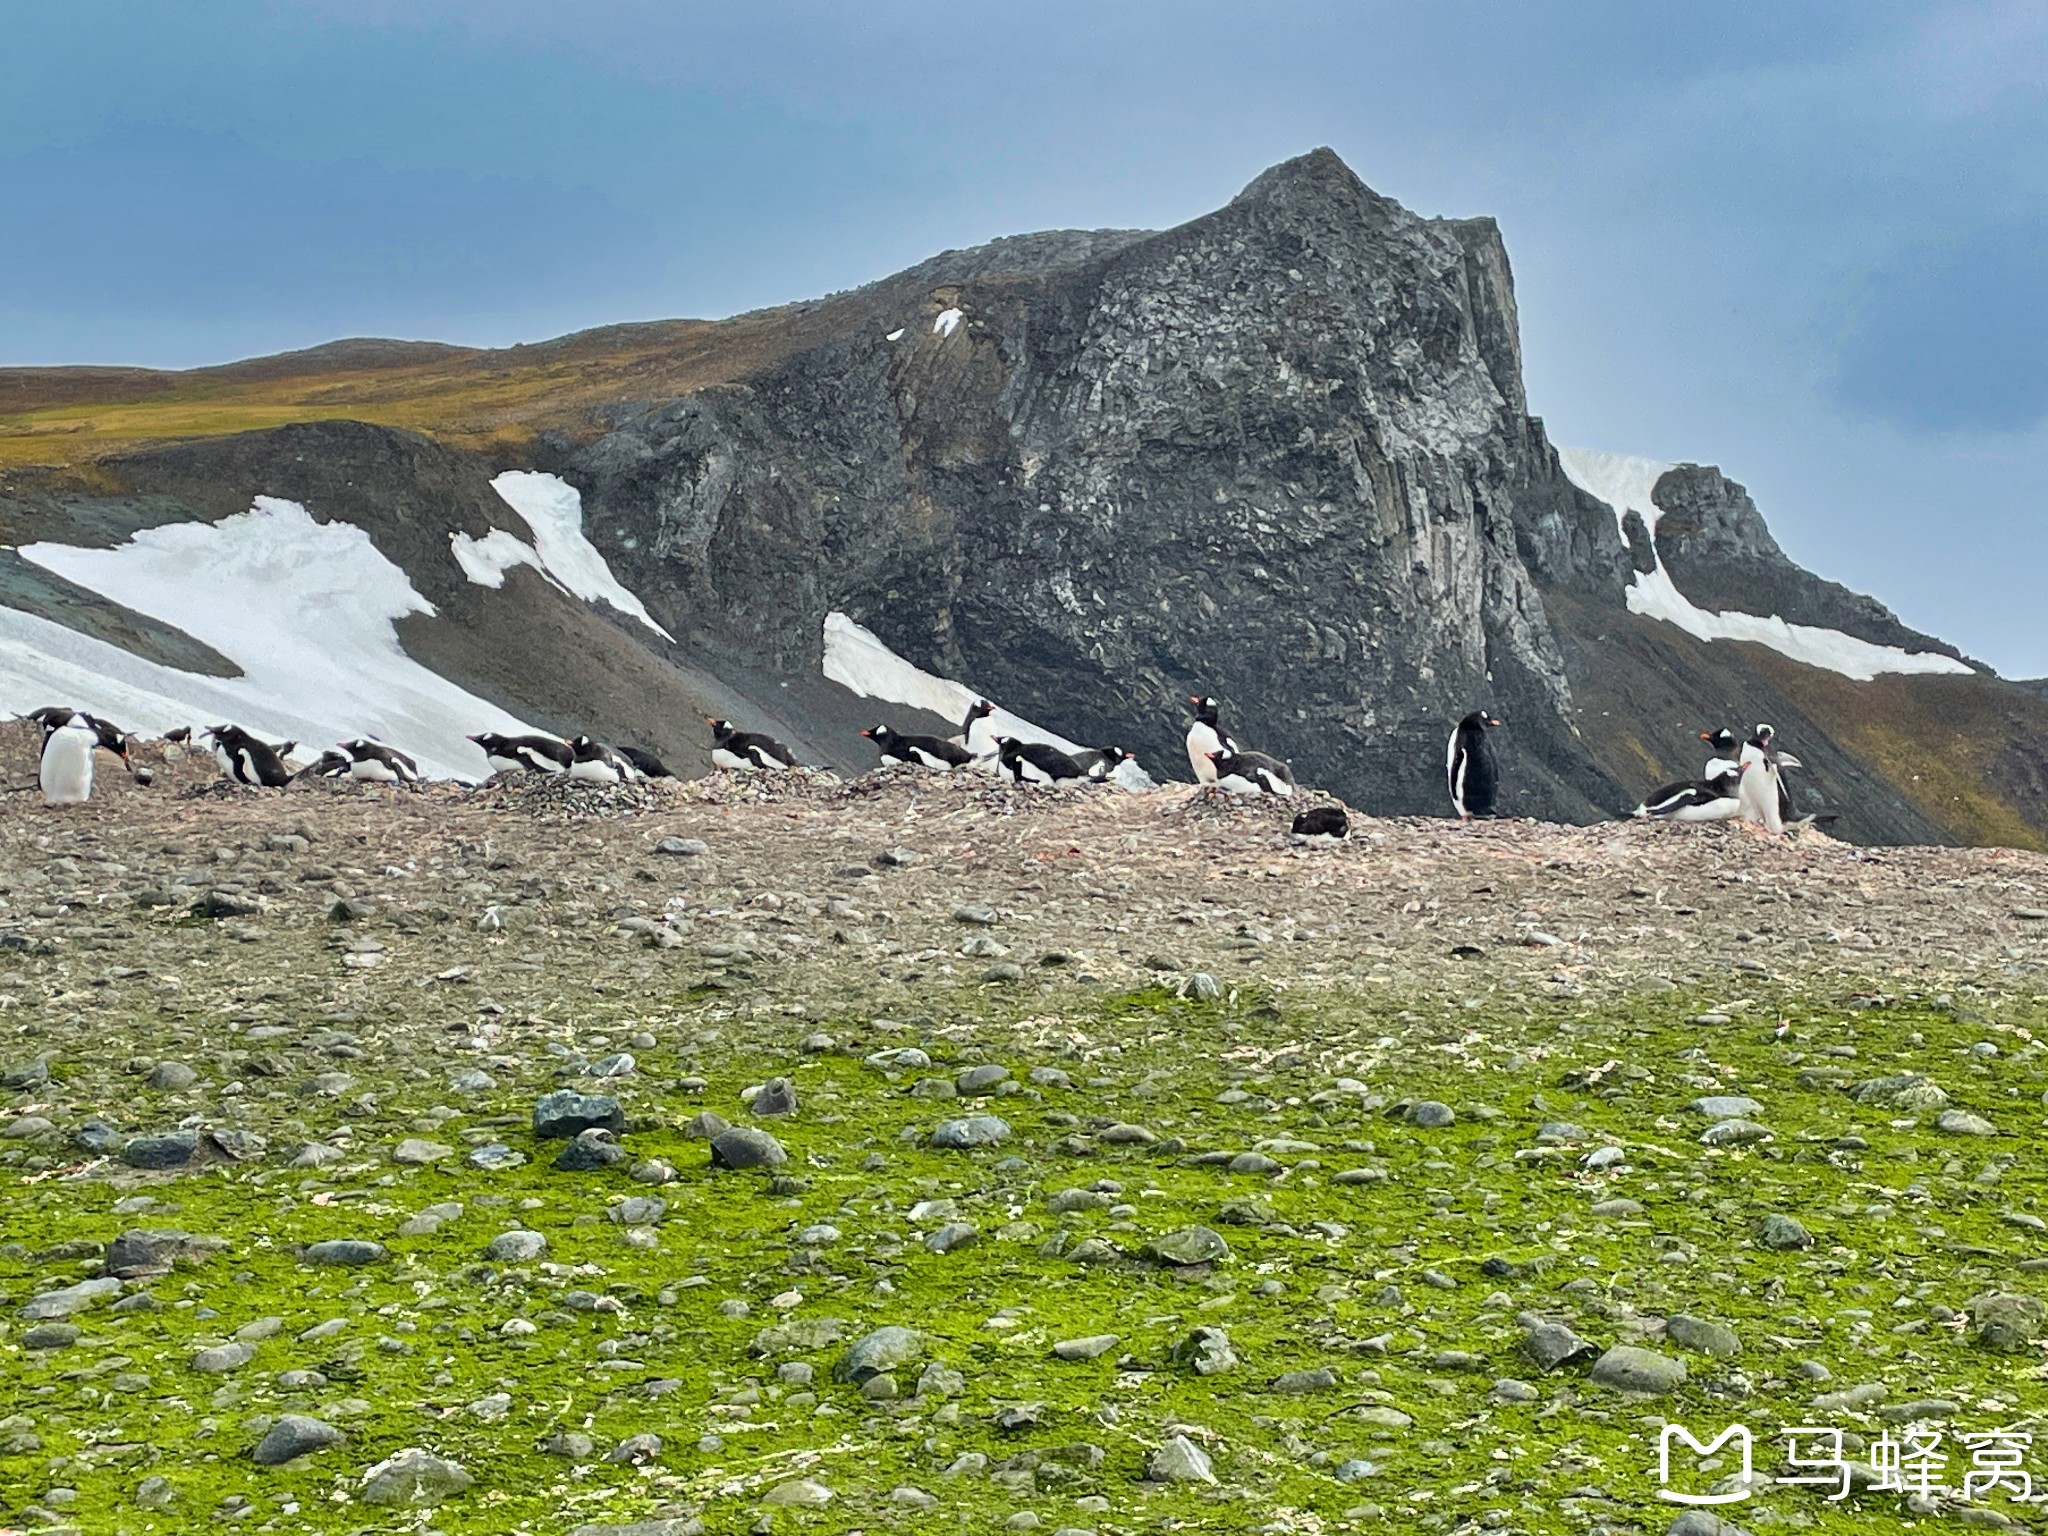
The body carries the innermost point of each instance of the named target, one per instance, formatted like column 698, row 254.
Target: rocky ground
column 962, row 1158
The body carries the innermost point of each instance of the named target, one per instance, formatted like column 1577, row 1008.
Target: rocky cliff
column 1279, row 454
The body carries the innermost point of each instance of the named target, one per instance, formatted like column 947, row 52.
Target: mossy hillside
column 1386, row 1282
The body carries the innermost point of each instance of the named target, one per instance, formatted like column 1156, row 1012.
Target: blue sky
column 1807, row 242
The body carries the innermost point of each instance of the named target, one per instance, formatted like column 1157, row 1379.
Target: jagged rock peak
column 1320, row 176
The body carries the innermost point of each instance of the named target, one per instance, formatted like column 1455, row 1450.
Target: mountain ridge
column 1281, row 452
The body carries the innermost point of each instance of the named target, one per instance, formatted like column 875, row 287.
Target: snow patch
column 856, row 659
column 553, row 510
column 895, row 335
column 1625, row 482
column 486, row 560
column 305, row 609
column 948, row 321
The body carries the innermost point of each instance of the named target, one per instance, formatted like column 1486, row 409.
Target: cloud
column 1955, row 337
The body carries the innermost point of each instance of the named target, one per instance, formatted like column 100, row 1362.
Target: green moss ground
column 1913, row 1222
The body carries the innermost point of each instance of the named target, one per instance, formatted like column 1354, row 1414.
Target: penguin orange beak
column 1705, row 737
column 1194, row 698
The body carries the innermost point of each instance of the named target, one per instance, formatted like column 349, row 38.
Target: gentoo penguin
column 900, row 750
column 1468, row 763
column 978, row 736
column 180, row 736
column 1712, row 799
column 646, row 764
column 596, row 763
column 1033, row 762
column 1727, row 753
column 106, row 734
column 1102, row 763
column 1764, row 745
column 1756, row 794
column 525, row 754
column 332, row 764
column 1326, row 823
column 1252, row 773
column 1206, row 737
column 67, row 761
column 247, row 759
column 734, row 748
column 379, row 764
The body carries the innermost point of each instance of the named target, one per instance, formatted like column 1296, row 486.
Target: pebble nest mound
column 913, row 1152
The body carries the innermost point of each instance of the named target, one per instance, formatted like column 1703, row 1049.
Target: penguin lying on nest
column 375, row 763
column 1323, row 824
column 1252, row 773
column 1711, row 799
column 525, row 754
column 898, row 749
column 596, row 763
column 1033, row 762
column 732, row 747
column 248, row 758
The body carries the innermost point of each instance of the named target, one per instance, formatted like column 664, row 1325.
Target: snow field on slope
column 305, row 609
column 553, row 512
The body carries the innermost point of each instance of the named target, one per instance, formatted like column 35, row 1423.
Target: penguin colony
column 1742, row 780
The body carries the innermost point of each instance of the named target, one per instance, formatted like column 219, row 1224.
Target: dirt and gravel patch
column 989, row 1159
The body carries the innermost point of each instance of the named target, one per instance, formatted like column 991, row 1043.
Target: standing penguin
column 1469, row 765
column 1725, row 759
column 1764, row 744
column 247, row 759
column 67, row 762
column 1206, row 737
column 978, row 736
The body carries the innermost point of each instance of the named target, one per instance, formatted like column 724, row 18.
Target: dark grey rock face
column 1298, row 419
column 1720, row 554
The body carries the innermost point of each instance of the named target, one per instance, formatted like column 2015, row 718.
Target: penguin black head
column 1722, row 741
column 1764, row 734
column 878, row 733
column 1478, row 720
column 720, row 729
column 1111, row 756
column 1206, row 710
column 980, row 709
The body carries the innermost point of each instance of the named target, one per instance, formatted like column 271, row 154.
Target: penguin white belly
column 1233, row 783
column 227, row 762
column 1713, row 810
column 764, row 759
column 373, row 769
column 597, row 771
column 67, row 767
column 1716, row 766
column 533, row 760
column 506, row 764
column 925, row 759
column 1757, row 796
column 1275, row 785
column 720, row 758
column 981, row 741
column 1203, row 739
